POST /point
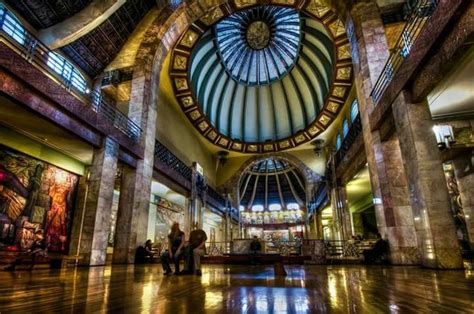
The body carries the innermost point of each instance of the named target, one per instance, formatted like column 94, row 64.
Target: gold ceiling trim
column 180, row 62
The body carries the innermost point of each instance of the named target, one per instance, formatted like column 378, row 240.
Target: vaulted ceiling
column 270, row 93
column 256, row 79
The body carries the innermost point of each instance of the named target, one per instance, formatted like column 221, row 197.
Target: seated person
column 174, row 252
column 39, row 248
column 195, row 249
column 255, row 249
column 255, row 246
column 377, row 252
column 144, row 254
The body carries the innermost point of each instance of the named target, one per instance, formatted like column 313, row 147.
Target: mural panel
column 34, row 195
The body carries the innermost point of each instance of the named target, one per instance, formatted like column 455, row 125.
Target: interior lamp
column 444, row 136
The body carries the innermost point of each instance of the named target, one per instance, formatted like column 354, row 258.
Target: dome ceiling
column 264, row 78
column 272, row 181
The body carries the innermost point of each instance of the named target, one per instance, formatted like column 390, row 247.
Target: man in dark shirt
column 197, row 241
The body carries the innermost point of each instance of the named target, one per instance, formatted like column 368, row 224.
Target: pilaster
column 92, row 220
column 434, row 222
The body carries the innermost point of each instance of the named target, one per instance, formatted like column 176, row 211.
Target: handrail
column 163, row 154
column 34, row 51
column 416, row 20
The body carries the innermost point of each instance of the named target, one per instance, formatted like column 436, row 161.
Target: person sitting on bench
column 195, row 249
column 255, row 249
column 144, row 254
column 174, row 253
column 377, row 252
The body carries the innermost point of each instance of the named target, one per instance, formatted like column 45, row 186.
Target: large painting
column 34, row 196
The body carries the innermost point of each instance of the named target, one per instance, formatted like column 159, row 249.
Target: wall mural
column 34, row 195
column 168, row 212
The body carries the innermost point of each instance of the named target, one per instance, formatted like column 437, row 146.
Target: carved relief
column 180, row 62
column 181, row 84
column 212, row 16
column 317, row 8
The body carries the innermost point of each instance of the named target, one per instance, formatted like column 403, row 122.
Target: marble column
column 464, row 171
column 187, row 218
column 344, row 213
column 93, row 218
column 134, row 203
column 388, row 180
column 319, row 226
column 430, row 201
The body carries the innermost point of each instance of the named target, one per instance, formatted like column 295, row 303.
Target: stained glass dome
column 262, row 78
column 259, row 45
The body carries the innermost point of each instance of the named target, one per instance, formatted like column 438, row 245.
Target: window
column 64, row 68
column 338, row 141
column 291, row 206
column 12, row 26
column 354, row 110
column 257, row 208
column 345, row 128
column 274, row 207
column 407, row 44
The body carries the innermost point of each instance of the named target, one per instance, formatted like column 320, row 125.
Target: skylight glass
column 260, row 45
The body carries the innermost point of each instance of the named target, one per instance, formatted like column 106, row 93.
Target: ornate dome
column 259, row 46
column 262, row 79
column 272, row 181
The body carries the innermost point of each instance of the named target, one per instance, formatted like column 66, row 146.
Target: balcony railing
column 163, row 154
column 416, row 20
column 35, row 52
column 351, row 137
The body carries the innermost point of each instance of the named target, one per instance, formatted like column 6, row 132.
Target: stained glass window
column 345, row 128
column 338, row 141
column 64, row 68
column 259, row 45
column 11, row 26
column 354, row 109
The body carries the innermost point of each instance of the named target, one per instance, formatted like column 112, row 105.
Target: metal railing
column 163, row 154
column 35, row 52
column 416, row 20
column 340, row 249
column 354, row 131
column 284, row 248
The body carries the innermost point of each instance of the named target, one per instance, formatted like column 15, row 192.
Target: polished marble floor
column 239, row 289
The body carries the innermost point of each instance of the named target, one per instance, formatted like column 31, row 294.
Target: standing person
column 175, row 246
column 197, row 243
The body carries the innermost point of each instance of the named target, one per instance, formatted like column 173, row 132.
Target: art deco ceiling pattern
column 263, row 78
column 271, row 181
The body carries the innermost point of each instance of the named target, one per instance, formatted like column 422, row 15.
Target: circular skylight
column 259, row 45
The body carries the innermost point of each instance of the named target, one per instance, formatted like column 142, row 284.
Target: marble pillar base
column 405, row 256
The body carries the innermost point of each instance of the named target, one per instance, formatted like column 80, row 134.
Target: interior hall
column 237, row 156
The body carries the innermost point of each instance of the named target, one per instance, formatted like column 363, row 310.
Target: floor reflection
column 239, row 289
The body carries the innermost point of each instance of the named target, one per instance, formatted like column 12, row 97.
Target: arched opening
column 273, row 202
